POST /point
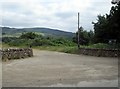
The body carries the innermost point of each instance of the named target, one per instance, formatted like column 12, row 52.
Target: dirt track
column 48, row 68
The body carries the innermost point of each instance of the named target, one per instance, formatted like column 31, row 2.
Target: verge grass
column 65, row 49
column 2, row 45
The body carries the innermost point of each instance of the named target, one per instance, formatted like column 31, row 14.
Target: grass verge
column 65, row 49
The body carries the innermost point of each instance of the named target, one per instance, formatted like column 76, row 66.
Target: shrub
column 29, row 35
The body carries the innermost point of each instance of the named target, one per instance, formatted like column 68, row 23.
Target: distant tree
column 3, row 33
column 8, row 39
column 84, row 36
column 91, row 37
column 29, row 35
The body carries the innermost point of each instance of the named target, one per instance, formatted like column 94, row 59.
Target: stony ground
column 49, row 68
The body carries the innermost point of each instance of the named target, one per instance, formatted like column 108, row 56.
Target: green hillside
column 7, row 31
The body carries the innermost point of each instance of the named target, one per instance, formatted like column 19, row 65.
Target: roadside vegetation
column 32, row 39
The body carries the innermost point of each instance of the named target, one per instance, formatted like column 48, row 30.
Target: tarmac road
column 55, row 69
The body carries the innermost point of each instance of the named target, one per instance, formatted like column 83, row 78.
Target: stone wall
column 100, row 52
column 8, row 54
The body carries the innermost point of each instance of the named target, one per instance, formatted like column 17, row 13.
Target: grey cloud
column 10, row 7
column 58, row 19
column 16, row 23
column 64, row 15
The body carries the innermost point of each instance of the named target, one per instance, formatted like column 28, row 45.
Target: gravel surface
column 48, row 68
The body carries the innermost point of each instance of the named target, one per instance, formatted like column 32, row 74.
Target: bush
column 29, row 35
column 26, row 40
column 41, row 42
column 8, row 39
column 103, row 46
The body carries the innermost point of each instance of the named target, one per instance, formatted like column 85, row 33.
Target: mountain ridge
column 45, row 30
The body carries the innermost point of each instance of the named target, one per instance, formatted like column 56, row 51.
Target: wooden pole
column 78, row 33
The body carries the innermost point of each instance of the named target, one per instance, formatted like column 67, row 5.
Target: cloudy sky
column 57, row 14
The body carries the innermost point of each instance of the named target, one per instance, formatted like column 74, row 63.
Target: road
column 55, row 69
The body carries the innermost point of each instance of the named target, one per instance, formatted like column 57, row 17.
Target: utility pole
column 78, row 33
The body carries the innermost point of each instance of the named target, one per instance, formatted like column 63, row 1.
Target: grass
column 103, row 46
column 71, row 49
column 6, row 46
column 65, row 49
column 2, row 45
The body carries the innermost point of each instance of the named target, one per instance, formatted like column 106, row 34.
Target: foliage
column 29, row 35
column 103, row 46
column 100, row 29
column 84, row 36
column 65, row 49
column 114, row 22
column 8, row 39
column 4, row 45
column 107, row 26
column 52, row 42
column 33, row 39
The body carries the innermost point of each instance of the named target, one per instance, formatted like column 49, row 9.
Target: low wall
column 8, row 54
column 100, row 52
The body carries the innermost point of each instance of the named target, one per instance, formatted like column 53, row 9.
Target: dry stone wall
column 8, row 54
column 100, row 52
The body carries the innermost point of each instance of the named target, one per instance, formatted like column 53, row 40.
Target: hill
column 45, row 31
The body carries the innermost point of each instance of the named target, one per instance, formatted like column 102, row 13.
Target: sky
column 56, row 14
